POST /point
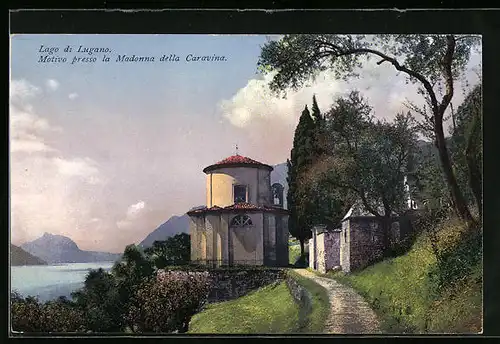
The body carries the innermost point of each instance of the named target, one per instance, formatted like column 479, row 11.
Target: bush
column 28, row 315
column 458, row 250
column 166, row 303
column 100, row 300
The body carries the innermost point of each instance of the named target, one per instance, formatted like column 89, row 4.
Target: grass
column 270, row 309
column 411, row 295
column 320, row 303
column 293, row 253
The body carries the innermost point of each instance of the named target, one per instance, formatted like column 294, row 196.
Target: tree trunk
column 302, row 253
column 458, row 199
column 475, row 176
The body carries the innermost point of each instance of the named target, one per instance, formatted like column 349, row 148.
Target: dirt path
column 349, row 312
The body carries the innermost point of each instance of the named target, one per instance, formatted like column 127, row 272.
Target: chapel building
column 243, row 222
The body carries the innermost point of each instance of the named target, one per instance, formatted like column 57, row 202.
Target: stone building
column 244, row 221
column 358, row 242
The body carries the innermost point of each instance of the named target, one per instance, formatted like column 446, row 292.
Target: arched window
column 241, row 221
column 277, row 194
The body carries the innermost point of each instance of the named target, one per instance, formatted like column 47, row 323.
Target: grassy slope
column 268, row 310
column 293, row 253
column 320, row 303
column 408, row 299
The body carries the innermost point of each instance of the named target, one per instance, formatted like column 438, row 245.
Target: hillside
column 18, row 257
column 417, row 293
column 173, row 226
column 56, row 249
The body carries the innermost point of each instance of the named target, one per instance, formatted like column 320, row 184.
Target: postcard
column 245, row 184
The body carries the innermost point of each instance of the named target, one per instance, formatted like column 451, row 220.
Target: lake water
column 51, row 281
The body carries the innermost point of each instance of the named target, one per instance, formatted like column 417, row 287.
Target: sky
column 104, row 152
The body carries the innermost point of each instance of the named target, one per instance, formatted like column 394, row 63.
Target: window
column 241, row 221
column 240, row 193
column 277, row 194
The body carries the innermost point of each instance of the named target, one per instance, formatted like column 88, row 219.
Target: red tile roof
column 238, row 206
column 237, row 161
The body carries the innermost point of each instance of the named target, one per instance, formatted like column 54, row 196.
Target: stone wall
column 303, row 299
column 331, row 247
column 232, row 283
column 345, row 248
column 366, row 242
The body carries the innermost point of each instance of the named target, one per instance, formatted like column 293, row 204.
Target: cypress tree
column 319, row 125
column 301, row 157
column 316, row 114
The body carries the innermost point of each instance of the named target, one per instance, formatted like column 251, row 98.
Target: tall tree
column 173, row 251
column 318, row 139
column 433, row 62
column 367, row 159
column 300, row 158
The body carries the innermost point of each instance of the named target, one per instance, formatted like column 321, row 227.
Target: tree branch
column 338, row 52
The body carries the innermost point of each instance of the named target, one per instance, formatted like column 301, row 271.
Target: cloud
column 135, row 209
column 52, row 84
column 26, row 127
column 84, row 168
column 73, row 96
column 21, row 90
column 132, row 214
column 49, row 191
column 268, row 121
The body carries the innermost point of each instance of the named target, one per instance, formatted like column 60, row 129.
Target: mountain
column 18, row 256
column 173, row 226
column 60, row 249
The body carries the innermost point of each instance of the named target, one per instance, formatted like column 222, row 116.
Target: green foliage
column 466, row 146
column 408, row 291
column 300, row 206
column 297, row 58
column 365, row 160
column 166, row 303
column 293, row 254
column 320, row 303
column 29, row 315
column 173, row 251
column 433, row 62
column 101, row 301
column 431, row 189
column 270, row 309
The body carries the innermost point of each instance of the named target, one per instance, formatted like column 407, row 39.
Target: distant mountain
column 60, row 249
column 18, row 256
column 173, row 226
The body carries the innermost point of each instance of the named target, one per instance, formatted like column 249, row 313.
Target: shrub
column 167, row 302
column 25, row 314
column 28, row 315
column 100, row 300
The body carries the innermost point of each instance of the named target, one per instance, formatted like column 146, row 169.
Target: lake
column 51, row 281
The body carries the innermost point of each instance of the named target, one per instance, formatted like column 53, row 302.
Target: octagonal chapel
column 244, row 222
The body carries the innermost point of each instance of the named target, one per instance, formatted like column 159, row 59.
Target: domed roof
column 237, row 161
